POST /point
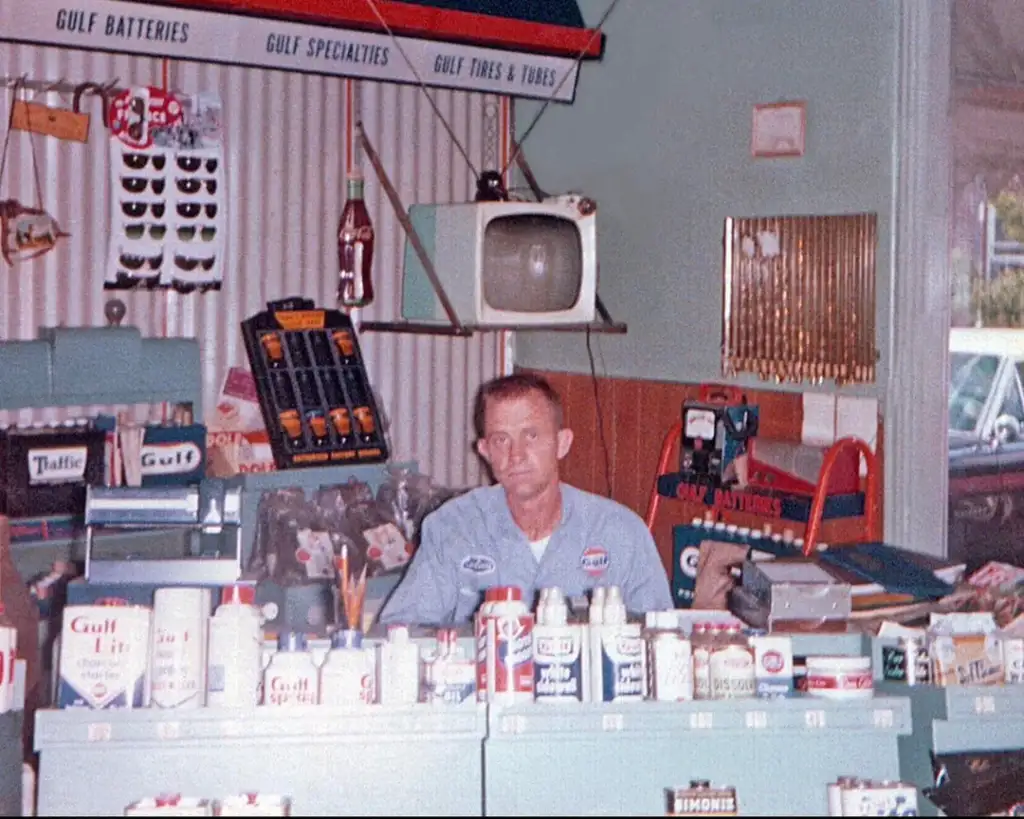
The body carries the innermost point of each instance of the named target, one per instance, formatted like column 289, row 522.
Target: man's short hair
column 514, row 386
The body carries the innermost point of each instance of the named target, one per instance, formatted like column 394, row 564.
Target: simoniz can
column 701, row 799
column 504, row 639
column 104, row 653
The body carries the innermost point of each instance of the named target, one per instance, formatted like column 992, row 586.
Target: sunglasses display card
column 167, row 203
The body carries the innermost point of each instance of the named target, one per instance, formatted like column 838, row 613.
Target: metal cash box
column 796, row 590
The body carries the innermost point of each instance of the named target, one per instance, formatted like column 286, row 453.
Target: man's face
column 523, row 444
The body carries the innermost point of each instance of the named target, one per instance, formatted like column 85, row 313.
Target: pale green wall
column 660, row 136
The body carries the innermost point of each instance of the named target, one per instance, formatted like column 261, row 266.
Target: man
column 530, row 530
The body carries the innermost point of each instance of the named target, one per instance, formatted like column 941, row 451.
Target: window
column 971, row 379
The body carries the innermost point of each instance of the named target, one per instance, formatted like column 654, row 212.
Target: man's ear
column 564, row 442
column 481, row 448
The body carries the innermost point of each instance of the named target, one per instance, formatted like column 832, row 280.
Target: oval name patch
column 594, row 560
column 478, row 564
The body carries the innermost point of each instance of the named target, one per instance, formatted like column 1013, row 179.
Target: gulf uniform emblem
column 594, row 561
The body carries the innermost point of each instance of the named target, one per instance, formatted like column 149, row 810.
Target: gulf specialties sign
column 204, row 36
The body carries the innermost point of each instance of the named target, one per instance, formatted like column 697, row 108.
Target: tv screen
column 532, row 264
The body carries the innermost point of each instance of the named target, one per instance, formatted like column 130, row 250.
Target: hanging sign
column 204, row 36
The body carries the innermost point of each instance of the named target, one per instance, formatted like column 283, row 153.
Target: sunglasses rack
column 314, row 393
column 167, row 220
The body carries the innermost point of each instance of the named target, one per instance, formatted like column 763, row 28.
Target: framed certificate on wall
column 779, row 130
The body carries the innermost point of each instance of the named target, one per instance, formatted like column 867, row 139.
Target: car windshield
column 970, row 382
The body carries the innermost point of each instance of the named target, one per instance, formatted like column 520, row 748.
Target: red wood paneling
column 637, row 414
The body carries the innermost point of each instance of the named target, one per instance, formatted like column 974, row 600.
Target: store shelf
column 10, row 763
column 375, row 760
column 956, row 719
column 59, row 369
column 700, row 717
column 32, row 556
column 536, row 759
column 617, row 759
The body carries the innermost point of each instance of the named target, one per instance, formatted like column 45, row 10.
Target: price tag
column 99, row 731
column 612, row 722
column 984, row 705
column 513, row 724
column 701, row 720
column 756, row 719
column 168, row 730
column 814, row 719
column 882, row 718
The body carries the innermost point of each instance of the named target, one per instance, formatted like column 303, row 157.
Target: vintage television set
column 505, row 264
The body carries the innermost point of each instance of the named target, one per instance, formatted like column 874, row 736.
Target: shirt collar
column 506, row 528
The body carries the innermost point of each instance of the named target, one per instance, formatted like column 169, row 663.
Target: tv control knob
column 586, row 206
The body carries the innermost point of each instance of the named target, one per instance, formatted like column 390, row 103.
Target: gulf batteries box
column 172, row 454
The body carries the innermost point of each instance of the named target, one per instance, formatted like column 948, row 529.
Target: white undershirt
column 538, row 547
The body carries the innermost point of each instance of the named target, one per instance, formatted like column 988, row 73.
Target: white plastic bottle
column 349, row 673
column 560, row 656
column 292, row 677
column 617, row 667
column 669, row 659
column 399, row 668
column 178, row 650
column 449, row 676
column 234, row 667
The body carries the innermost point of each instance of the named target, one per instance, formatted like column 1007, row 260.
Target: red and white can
column 504, row 642
column 8, row 657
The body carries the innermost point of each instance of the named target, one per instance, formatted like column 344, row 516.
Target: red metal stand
column 835, row 477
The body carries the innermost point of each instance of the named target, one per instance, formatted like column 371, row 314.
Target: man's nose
column 517, row 451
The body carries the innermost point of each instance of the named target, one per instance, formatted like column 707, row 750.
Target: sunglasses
column 139, row 161
column 188, row 233
column 191, row 210
column 191, row 186
column 184, row 263
column 138, row 262
column 137, row 184
column 191, row 164
column 136, row 210
column 132, row 281
column 139, row 230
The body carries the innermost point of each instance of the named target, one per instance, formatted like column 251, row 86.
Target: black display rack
column 313, row 389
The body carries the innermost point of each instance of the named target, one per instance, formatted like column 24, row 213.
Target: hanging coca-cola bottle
column 355, row 249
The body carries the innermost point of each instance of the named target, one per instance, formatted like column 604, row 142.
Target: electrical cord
column 600, row 418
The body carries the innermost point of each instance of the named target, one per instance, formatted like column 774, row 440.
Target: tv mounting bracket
column 455, row 326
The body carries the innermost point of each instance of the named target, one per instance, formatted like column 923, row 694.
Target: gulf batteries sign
column 204, row 36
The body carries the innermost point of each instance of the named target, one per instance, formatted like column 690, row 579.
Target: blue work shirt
column 472, row 543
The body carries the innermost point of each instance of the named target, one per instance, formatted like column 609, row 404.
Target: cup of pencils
column 352, row 595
